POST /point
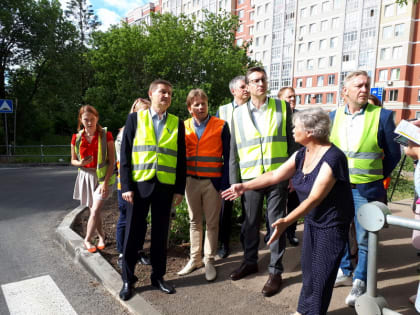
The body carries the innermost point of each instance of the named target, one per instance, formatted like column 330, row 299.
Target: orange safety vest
column 204, row 156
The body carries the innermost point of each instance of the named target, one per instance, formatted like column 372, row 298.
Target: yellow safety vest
column 155, row 158
column 259, row 153
column 102, row 158
column 365, row 160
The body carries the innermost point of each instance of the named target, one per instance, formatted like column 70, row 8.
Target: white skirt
column 85, row 186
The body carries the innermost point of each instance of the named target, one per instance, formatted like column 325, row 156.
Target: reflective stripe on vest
column 204, row 156
column 102, row 157
column 226, row 113
column 259, row 153
column 365, row 160
column 151, row 158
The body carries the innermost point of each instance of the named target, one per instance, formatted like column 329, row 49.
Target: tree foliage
column 187, row 53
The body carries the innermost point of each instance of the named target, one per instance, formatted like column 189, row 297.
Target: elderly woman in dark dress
column 320, row 176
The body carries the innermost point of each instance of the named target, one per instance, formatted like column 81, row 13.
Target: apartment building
column 312, row 44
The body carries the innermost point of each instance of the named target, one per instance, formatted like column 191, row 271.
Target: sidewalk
column 397, row 279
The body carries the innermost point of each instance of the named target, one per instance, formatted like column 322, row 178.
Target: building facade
column 311, row 44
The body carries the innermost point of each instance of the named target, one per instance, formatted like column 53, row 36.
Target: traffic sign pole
column 7, row 136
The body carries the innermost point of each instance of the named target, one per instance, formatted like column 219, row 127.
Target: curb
column 97, row 266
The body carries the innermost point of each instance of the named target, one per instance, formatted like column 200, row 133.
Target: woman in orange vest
column 207, row 140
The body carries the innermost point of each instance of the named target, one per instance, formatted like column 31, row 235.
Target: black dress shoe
column 243, row 271
column 273, row 285
column 163, row 286
column 223, row 251
column 127, row 291
column 293, row 240
column 143, row 259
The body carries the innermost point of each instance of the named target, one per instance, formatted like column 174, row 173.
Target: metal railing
column 12, row 151
column 373, row 217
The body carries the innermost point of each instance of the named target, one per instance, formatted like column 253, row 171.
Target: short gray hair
column 315, row 120
column 234, row 82
column 353, row 74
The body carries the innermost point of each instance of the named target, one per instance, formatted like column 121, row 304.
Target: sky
column 111, row 12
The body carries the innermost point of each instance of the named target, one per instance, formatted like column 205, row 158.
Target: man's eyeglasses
column 256, row 81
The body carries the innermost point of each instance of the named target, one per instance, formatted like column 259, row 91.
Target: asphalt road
column 33, row 202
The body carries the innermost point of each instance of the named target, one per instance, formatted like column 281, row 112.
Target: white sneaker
column 359, row 287
column 190, row 267
column 342, row 280
column 210, row 272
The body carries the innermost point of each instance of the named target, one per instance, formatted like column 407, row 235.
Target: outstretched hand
column 235, row 191
column 279, row 227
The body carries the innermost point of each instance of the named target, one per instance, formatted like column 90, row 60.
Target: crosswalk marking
column 36, row 296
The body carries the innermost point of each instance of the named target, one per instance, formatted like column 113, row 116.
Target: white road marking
column 37, row 296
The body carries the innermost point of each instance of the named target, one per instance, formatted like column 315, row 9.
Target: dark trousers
column 122, row 222
column 225, row 222
column 276, row 196
column 159, row 202
column 322, row 251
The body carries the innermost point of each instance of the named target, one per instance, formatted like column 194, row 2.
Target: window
column 338, row 4
column 324, row 25
column 331, row 79
column 298, row 99
column 399, row 29
column 300, row 65
column 401, row 8
column 309, row 82
column 251, row 30
column 395, row 74
column 241, row 2
column 302, row 30
column 276, row 52
column 393, row 95
column 275, row 70
column 331, row 61
column 240, row 28
column 367, row 57
column 266, row 23
column 318, row 98
column 350, row 36
column 287, row 50
column 335, row 23
column 326, row 6
column 389, row 10
column 307, row 98
column 418, row 96
column 257, row 42
column 312, row 28
column 330, row 98
column 367, row 37
column 251, row 15
column 396, row 52
column 349, row 56
column 265, row 39
column 387, row 32
column 258, row 26
column 417, row 115
column 303, row 12
column 241, row 14
column 322, row 63
column 320, row 81
column 239, row 42
column 311, row 46
column 299, row 82
column 266, row 8
column 385, row 53
column 258, row 10
column 322, row 44
column 333, row 42
column 310, row 64
column 383, row 75
column 314, row 9
column 301, row 48
column 274, row 84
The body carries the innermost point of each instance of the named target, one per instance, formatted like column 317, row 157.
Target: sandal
column 89, row 247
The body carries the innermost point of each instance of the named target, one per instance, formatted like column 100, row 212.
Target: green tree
column 34, row 37
column 188, row 53
column 86, row 22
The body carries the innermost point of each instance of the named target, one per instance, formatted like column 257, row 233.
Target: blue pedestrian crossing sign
column 378, row 92
column 6, row 106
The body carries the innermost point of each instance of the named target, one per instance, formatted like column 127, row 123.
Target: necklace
column 308, row 167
